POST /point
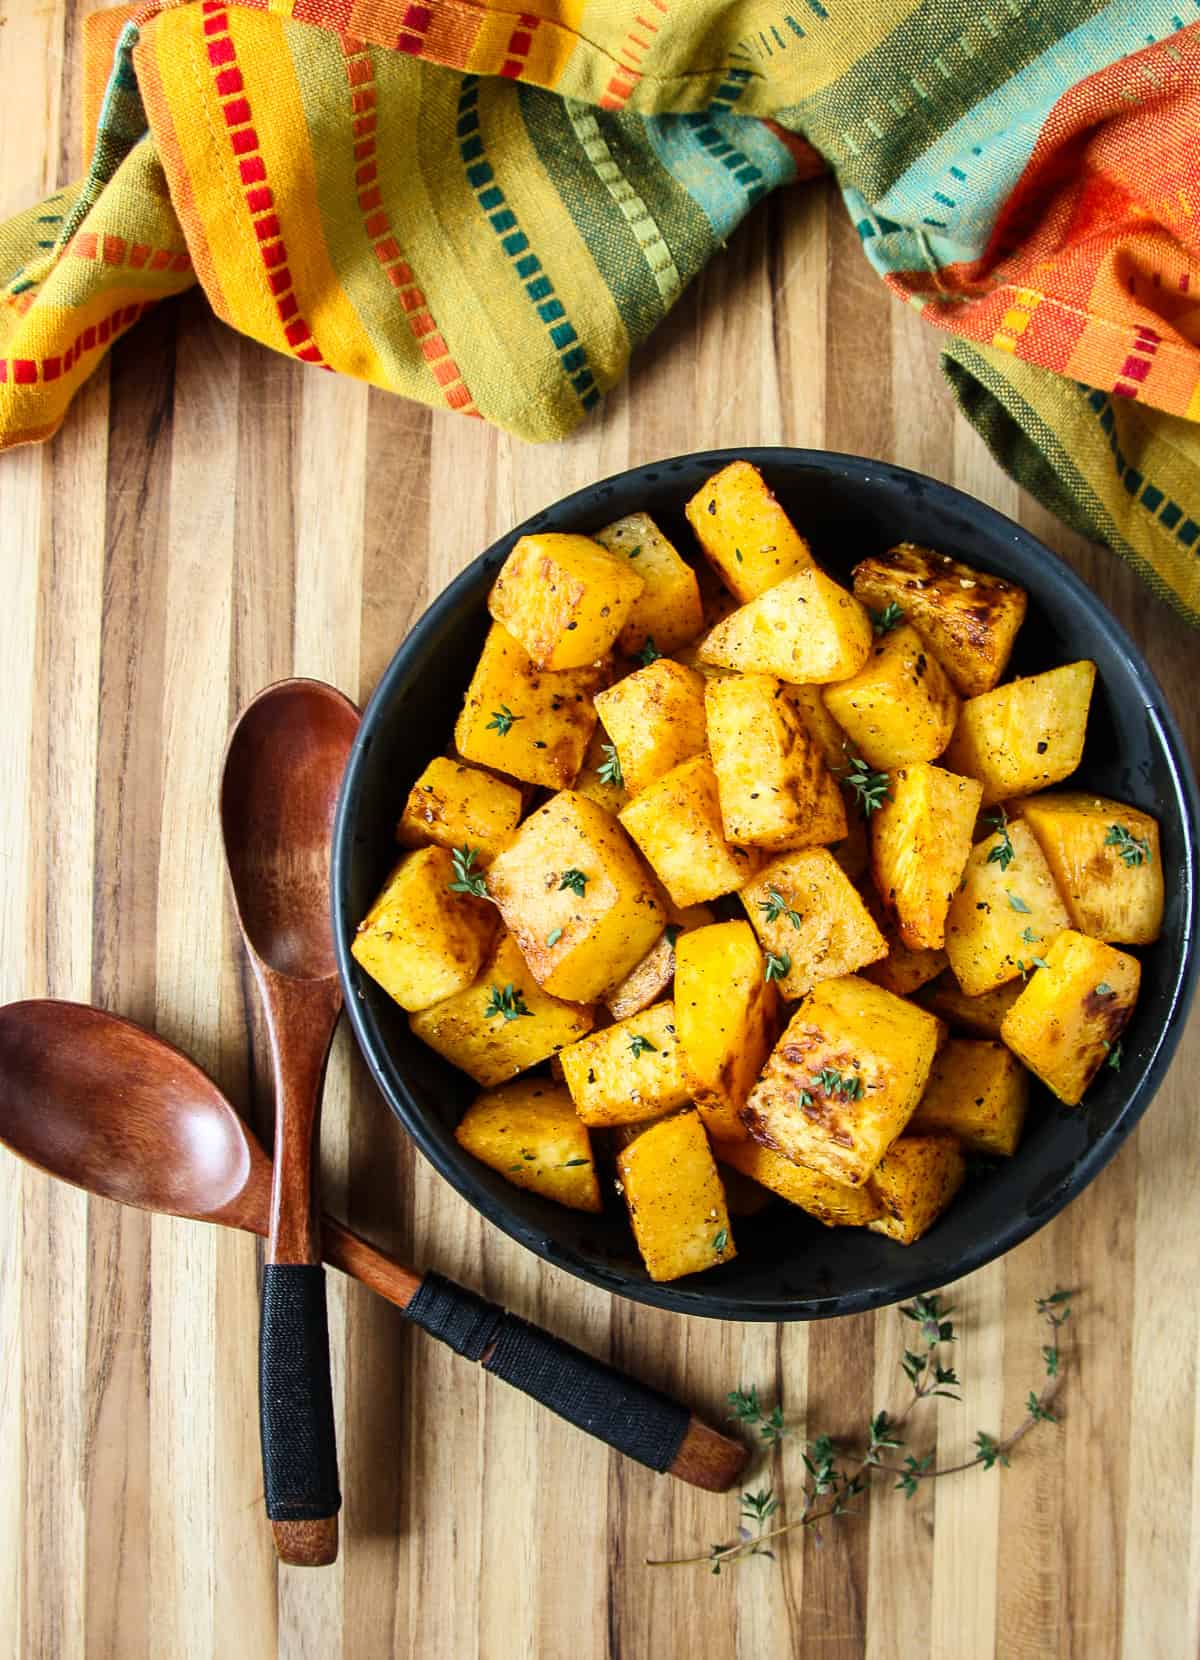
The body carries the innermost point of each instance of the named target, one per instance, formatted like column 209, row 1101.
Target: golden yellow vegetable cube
column 531, row 1134
column 1105, row 858
column 981, row 1016
column 906, row 968
column 899, row 707
column 503, row 1023
column 844, row 1079
column 420, row 940
column 725, row 1012
column 1068, row 1021
column 968, row 619
column 576, row 897
column 746, row 536
column 597, row 776
column 1007, row 910
column 805, row 630
column 833, row 743
column 811, row 920
column 655, row 717
column 774, row 788
column 642, row 985
column 520, row 720
column 677, row 824
column 629, row 1071
column 920, row 842
column 977, row 1091
column 1025, row 735
column 565, row 598
column 833, row 1203
column 675, row 1199
column 668, row 610
column 453, row 805
column 914, row 1182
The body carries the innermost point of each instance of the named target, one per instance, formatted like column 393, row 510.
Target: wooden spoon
column 279, row 789
column 107, row 1106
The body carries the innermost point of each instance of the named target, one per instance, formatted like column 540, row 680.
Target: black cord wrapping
column 299, row 1440
column 635, row 1419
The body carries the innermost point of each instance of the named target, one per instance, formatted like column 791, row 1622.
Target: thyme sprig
column 1133, row 850
column 870, row 788
column 466, row 878
column 1004, row 852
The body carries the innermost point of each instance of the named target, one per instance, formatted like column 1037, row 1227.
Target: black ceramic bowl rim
column 690, row 1296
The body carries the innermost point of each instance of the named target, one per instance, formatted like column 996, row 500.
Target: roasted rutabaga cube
column 920, row 841
column 822, row 728
column 899, row 707
column 421, row 940
column 531, row 1134
column 675, row 1199
column 906, row 968
column 746, row 536
column 518, row 719
column 725, row 1013
column 968, row 619
column 1104, row 857
column 629, row 1071
column 655, row 718
column 503, row 1023
column 774, row 788
column 647, row 979
column 833, row 1203
column 1006, row 913
column 576, row 897
column 1067, row 1023
column 981, row 1016
column 452, row 805
column 1025, row 735
column 811, row 920
column 977, row 1091
column 565, row 598
column 668, row 610
column 806, row 630
column 913, row 1183
column 677, row 824
column 844, row 1079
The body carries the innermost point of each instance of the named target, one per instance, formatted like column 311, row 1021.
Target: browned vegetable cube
column 811, row 920
column 1067, row 1022
column 981, row 1016
column 576, row 897
column 675, row 1199
column 807, row 630
column 655, row 717
column 920, row 841
column 914, row 1182
column 833, row 743
column 1006, row 912
column 530, row 1132
column 677, row 824
column 844, row 1079
column 1025, row 735
column 906, row 968
column 644, row 982
column 668, row 609
column 830, row 1202
column 725, row 1012
column 899, row 707
column 565, row 598
column 452, row 805
column 977, row 1091
column 1104, row 857
column 775, row 790
column 420, row 940
column 629, row 1071
column 518, row 719
column 748, row 538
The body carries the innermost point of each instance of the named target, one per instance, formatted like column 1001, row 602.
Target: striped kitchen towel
column 488, row 210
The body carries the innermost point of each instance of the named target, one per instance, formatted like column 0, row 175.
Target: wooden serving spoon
column 283, row 769
column 107, row 1106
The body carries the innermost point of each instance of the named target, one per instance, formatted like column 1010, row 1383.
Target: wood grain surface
column 213, row 517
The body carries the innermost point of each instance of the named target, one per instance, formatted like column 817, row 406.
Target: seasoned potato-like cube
column 920, row 842
column 598, row 774
column 725, row 1012
column 833, row 743
column 830, row 1202
column 452, row 805
column 968, row 619
column 844, row 1079
column 520, row 720
column 774, row 788
column 1006, row 912
column 421, row 941
column 668, row 610
column 806, row 630
column 811, row 920
column 675, row 1198
column 1104, row 857
column 1066, row 1023
column 914, row 1182
column 899, row 707
column 576, row 898
column 977, row 1091
column 1025, row 735
column 631, row 1070
column 906, row 968
column 981, row 1016
column 530, row 1132
column 746, row 536
column 655, row 717
column 677, row 824
column 642, row 985
column 501, row 1024
column 565, row 598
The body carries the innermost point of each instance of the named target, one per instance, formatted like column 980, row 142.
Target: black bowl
column 789, row 1267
